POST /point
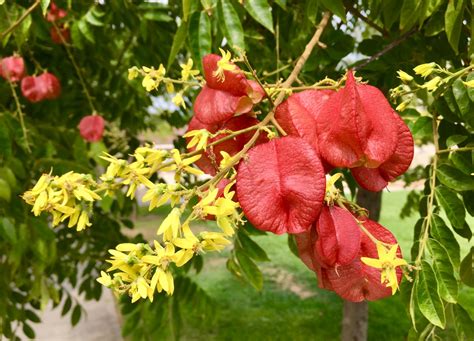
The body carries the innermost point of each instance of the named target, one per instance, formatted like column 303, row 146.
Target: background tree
column 376, row 38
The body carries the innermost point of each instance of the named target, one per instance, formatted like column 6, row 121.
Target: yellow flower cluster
column 152, row 79
column 69, row 196
column 147, row 162
column 141, row 270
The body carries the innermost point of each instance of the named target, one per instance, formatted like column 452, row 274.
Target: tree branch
column 386, row 49
column 356, row 13
column 20, row 19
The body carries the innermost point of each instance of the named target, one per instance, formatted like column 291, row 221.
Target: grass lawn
column 290, row 306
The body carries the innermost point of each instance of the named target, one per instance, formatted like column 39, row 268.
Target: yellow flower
column 432, row 85
column 105, row 279
column 387, row 261
column 178, row 100
column 199, row 138
column 425, row 69
column 133, row 73
column 224, row 64
column 157, row 196
column 170, row 226
column 149, row 83
column 469, row 84
column 169, row 87
column 405, row 77
column 227, row 160
column 187, row 70
column 402, row 106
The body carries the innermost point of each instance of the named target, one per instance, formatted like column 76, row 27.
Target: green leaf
column 5, row 141
column 462, row 161
column 261, row 11
column 463, row 323
column 29, row 332
column 411, row 12
column 44, row 6
column 77, row 36
column 454, row 140
column 423, row 127
column 231, row 25
column 157, row 16
column 427, row 294
column 441, row 232
column 444, row 270
column 5, row 191
column 67, row 306
column 76, row 315
column 336, row 7
column 252, row 249
column 199, row 36
column 91, row 19
column 470, row 77
column 85, row 30
column 454, row 178
column 31, row 316
column 281, row 3
column 178, row 42
column 462, row 98
column 453, row 22
column 452, row 205
column 186, row 9
column 467, row 269
column 468, row 198
column 292, row 245
column 250, row 269
column 390, row 12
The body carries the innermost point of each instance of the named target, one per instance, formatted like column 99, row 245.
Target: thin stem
column 20, row 19
column 76, row 68
column 427, row 220
column 460, row 149
column 20, row 116
column 386, row 49
column 355, row 12
column 277, row 37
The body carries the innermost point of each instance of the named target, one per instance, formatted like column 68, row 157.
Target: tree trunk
column 356, row 315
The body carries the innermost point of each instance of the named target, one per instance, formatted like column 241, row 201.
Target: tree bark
column 356, row 315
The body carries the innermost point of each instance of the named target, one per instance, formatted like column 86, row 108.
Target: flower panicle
column 66, row 197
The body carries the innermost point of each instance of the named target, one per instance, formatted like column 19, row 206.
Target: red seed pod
column 338, row 237
column 91, row 128
column 357, row 281
column 356, row 127
column 211, row 158
column 38, row 88
column 376, row 179
column 12, row 68
column 281, row 185
column 305, row 242
column 56, row 34
column 222, row 98
column 297, row 115
column 55, row 13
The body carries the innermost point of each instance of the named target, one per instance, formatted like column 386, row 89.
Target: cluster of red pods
column 47, row 86
column 281, row 183
column 33, row 88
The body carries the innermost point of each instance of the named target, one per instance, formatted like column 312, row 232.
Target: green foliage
column 108, row 39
